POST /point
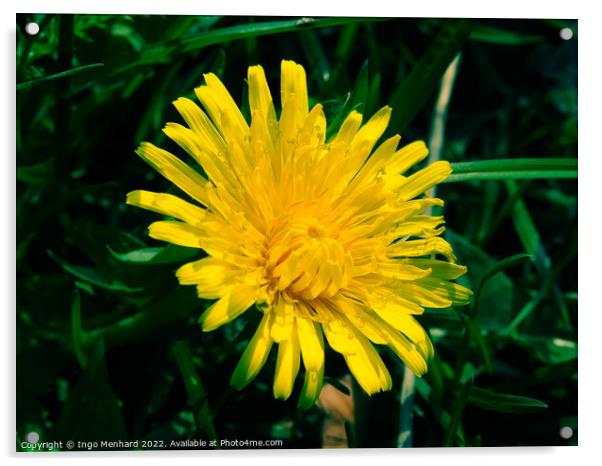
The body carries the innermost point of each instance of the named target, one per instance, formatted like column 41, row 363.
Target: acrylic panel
column 286, row 233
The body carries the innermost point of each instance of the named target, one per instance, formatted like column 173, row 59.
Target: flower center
column 306, row 262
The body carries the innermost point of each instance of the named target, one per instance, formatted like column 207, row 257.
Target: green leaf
column 503, row 36
column 505, row 169
column 549, row 350
column 162, row 51
column 495, row 300
column 76, row 330
column 504, row 403
column 39, row 174
column 500, row 266
column 92, row 276
column 170, row 254
column 197, row 396
column 92, row 411
column 62, row 74
column 414, row 91
column 177, row 306
column 456, row 415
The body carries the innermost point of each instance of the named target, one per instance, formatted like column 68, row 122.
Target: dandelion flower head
column 328, row 239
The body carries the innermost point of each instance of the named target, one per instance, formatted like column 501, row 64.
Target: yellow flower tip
column 133, row 197
column 327, row 237
column 143, row 148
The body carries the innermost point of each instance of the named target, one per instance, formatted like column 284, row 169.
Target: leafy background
column 107, row 342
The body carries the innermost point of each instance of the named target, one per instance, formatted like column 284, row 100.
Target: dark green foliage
column 123, row 357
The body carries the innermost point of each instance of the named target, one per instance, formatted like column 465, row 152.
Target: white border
column 590, row 103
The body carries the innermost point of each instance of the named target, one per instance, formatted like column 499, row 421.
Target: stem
column 406, row 414
column 197, row 395
column 436, row 142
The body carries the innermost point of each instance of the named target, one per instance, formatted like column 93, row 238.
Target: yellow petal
column 311, row 342
column 451, row 291
column 221, row 107
column 260, row 100
column 312, row 386
column 421, row 247
column 212, row 276
column 421, row 226
column 378, row 160
column 361, row 317
column 383, row 298
column 294, row 84
column 401, row 271
column 254, row 356
column 406, row 157
column 424, row 179
column 215, row 167
column 423, row 295
column 370, row 133
column 236, row 301
column 340, row 335
column 365, row 140
column 407, row 325
column 348, row 129
column 166, row 204
column 207, row 135
column 178, row 233
column 287, row 366
column 441, row 269
column 284, row 315
column 406, row 351
column 368, row 368
column 176, row 171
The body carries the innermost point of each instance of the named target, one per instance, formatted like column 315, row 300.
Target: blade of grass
column 456, row 415
column 504, row 403
column 197, row 395
column 504, row 169
column 531, row 240
column 161, row 52
column 437, row 136
column 503, row 36
column 170, row 254
column 92, row 276
column 76, row 330
column 182, row 304
column 436, row 143
column 414, row 91
column 62, row 74
column 502, row 265
column 473, row 330
column 406, row 411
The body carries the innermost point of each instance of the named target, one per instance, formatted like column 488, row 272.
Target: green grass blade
column 92, row 276
column 502, row 265
column 503, row 36
column 197, row 395
column 76, row 330
column 415, row 90
column 161, row 52
column 182, row 303
column 504, row 403
column 458, row 411
column 504, row 169
column 62, row 74
column 170, row 254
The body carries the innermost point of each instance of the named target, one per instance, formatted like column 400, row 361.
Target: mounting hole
column 566, row 432
column 566, row 33
column 32, row 28
column 33, row 437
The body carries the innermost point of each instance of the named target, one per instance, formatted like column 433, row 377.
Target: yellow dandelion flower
column 328, row 238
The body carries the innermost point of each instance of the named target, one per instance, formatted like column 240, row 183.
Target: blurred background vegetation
column 107, row 342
